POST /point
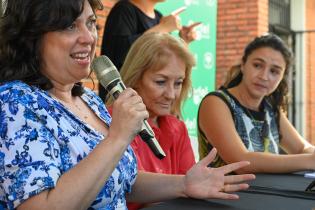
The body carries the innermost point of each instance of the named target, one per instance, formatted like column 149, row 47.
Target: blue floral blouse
column 41, row 140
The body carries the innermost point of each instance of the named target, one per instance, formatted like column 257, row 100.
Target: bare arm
column 77, row 188
column 200, row 182
column 156, row 187
column 216, row 121
column 292, row 142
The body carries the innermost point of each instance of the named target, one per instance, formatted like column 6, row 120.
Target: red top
column 173, row 137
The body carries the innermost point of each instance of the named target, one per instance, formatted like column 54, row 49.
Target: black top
column 125, row 23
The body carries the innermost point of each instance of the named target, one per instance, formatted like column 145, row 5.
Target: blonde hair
column 152, row 51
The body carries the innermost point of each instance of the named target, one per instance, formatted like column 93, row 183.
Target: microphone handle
column 146, row 133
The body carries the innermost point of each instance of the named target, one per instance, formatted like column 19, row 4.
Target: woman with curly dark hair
column 245, row 120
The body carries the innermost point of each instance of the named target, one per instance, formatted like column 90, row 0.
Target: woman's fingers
column 193, row 25
column 224, row 193
column 226, row 196
column 178, row 11
column 232, row 179
column 235, row 187
column 233, row 166
column 209, row 158
column 129, row 111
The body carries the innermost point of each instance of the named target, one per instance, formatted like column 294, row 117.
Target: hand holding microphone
column 110, row 79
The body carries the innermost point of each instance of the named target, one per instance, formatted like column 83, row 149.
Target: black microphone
column 109, row 77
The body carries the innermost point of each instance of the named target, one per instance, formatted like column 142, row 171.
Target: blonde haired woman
column 158, row 67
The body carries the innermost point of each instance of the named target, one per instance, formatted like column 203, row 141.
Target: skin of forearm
column 165, row 187
column 77, row 188
column 273, row 163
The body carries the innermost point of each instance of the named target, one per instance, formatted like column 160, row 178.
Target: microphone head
column 105, row 70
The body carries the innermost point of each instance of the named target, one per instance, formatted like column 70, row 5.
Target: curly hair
column 279, row 98
column 22, row 27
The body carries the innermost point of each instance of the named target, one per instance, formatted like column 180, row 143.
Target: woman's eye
column 91, row 23
column 160, row 82
column 178, row 84
column 257, row 65
column 274, row 71
column 71, row 27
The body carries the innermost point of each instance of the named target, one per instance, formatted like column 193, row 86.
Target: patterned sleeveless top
column 258, row 130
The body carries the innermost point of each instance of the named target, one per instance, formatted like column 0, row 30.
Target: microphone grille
column 105, row 70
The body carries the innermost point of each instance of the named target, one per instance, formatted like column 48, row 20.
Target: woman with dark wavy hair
column 246, row 120
column 20, row 54
column 59, row 147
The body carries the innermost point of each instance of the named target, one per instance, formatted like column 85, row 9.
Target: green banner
column 204, row 49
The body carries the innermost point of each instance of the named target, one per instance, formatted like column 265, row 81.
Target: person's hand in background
column 188, row 33
column 172, row 22
column 169, row 23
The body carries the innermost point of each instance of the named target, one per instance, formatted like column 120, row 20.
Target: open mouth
column 81, row 57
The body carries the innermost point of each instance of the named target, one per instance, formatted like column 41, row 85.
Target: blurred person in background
column 129, row 19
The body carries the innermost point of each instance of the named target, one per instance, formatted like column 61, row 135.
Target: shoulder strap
column 224, row 96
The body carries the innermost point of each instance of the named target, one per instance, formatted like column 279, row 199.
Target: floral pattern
column 40, row 139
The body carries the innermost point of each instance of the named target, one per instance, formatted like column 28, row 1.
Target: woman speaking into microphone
column 59, row 147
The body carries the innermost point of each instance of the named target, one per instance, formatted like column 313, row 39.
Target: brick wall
column 108, row 4
column 238, row 22
column 310, row 71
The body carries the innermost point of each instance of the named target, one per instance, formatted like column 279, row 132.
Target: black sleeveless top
column 258, row 130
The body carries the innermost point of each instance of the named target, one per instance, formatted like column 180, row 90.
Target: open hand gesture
column 203, row 182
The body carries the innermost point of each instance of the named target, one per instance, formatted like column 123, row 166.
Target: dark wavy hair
column 22, row 27
column 279, row 98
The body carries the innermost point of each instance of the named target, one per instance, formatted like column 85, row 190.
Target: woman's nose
column 264, row 74
column 86, row 36
column 170, row 93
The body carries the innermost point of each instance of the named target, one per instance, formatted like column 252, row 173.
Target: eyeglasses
column 311, row 187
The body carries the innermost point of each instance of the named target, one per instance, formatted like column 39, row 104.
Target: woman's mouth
column 81, row 58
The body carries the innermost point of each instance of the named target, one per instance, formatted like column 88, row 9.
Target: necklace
column 85, row 116
column 264, row 128
column 72, row 107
